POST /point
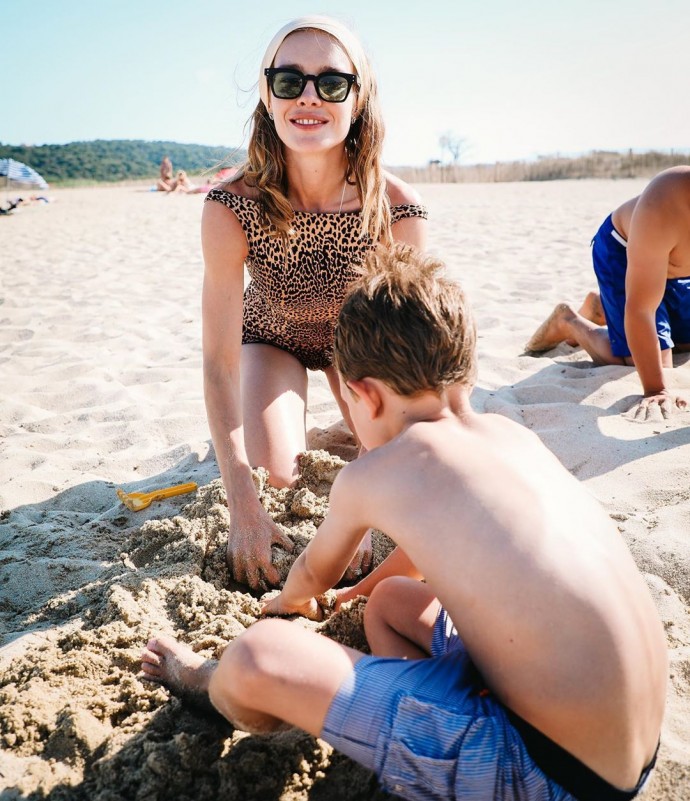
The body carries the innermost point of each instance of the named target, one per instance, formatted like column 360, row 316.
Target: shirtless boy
column 553, row 685
column 641, row 258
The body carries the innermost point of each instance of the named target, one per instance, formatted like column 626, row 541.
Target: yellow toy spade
column 136, row 501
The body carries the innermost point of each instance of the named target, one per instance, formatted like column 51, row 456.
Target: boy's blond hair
column 405, row 324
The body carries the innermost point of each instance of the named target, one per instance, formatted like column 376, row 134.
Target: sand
column 100, row 387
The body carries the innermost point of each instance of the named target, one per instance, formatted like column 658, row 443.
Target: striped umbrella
column 17, row 173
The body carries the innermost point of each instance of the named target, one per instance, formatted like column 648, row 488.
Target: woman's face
column 308, row 124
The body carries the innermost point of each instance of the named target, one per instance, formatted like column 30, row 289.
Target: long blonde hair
column 265, row 167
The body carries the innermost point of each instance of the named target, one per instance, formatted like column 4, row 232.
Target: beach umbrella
column 20, row 174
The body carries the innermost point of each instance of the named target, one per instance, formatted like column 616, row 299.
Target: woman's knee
column 282, row 475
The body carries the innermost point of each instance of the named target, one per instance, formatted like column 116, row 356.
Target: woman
column 310, row 202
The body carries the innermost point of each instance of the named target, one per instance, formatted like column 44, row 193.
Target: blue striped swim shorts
column 431, row 732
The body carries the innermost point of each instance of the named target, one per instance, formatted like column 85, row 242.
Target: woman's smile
column 307, row 122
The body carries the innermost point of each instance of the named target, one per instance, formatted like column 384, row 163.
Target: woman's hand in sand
column 361, row 563
column 249, row 549
column 657, row 406
column 279, row 606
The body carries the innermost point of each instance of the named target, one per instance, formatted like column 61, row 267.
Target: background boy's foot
column 552, row 331
column 592, row 310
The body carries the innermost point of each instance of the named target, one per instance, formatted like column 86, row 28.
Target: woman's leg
column 361, row 563
column 276, row 672
column 399, row 618
column 334, row 383
column 274, row 402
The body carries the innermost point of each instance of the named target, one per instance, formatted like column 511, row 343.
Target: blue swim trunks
column 431, row 732
column 610, row 261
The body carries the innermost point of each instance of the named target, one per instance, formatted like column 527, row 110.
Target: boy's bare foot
column 591, row 310
column 552, row 331
column 174, row 665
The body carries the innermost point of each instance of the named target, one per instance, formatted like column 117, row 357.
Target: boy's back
column 535, row 577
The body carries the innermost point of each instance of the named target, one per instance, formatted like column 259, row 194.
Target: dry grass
column 597, row 164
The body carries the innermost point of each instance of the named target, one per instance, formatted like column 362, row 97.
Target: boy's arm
column 324, row 561
column 397, row 563
column 652, row 237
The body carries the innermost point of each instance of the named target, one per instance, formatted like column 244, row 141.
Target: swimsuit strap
column 565, row 769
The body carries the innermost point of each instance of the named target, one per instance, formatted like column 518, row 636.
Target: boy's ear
column 369, row 394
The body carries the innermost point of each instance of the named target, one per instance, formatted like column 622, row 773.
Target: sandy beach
column 101, row 387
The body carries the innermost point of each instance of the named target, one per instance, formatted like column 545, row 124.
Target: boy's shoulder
column 389, row 462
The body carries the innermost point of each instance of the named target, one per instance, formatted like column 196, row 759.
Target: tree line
column 117, row 160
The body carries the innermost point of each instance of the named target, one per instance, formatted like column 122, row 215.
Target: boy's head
column 405, row 324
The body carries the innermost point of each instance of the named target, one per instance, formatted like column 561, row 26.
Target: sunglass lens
column 287, row 85
column 334, row 88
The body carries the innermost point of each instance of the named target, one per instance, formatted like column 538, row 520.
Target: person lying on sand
column 530, row 664
column 641, row 257
column 181, row 184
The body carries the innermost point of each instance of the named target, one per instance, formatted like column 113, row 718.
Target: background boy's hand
column 278, row 606
column 659, row 406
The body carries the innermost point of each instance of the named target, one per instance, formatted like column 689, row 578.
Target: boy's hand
column 658, row 406
column 344, row 595
column 278, row 606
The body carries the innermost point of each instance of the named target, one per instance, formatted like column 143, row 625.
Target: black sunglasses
column 288, row 84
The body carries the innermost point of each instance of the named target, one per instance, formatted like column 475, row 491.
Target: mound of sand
column 75, row 713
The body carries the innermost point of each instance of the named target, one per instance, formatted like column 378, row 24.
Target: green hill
column 117, row 160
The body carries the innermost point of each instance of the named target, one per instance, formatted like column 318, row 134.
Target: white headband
column 336, row 29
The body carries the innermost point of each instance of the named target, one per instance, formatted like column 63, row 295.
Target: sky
column 514, row 79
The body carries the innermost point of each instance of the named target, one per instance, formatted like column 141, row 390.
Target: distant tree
column 456, row 145
column 117, row 160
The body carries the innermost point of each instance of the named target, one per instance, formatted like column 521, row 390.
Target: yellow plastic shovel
column 136, row 501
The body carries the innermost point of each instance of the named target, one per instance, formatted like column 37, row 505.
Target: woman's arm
column 411, row 230
column 251, row 529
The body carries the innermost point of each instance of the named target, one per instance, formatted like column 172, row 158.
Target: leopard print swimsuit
column 296, row 290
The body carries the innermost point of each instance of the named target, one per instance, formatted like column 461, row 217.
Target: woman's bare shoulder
column 399, row 192
column 239, row 187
